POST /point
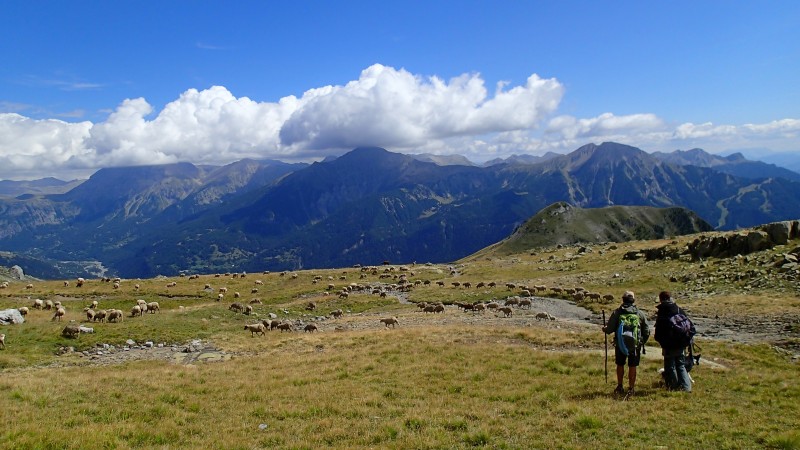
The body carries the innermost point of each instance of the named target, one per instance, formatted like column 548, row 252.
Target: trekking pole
column 605, row 336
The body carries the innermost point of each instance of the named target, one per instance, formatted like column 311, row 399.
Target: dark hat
column 664, row 297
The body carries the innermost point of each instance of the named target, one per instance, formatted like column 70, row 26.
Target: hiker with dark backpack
column 631, row 331
column 674, row 332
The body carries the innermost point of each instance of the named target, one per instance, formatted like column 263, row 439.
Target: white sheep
column 136, row 311
column 115, row 315
column 66, row 283
column 38, row 304
column 79, row 282
column 256, row 328
column 94, row 304
column 3, row 341
column 23, row 311
column 390, row 321
column 4, row 285
column 98, row 316
column 153, row 307
column 60, row 312
column 90, row 314
column 220, row 297
column 247, row 310
column 136, row 286
column 29, row 286
column 48, row 304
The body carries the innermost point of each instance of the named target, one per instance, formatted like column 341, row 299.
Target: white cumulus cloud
column 384, row 106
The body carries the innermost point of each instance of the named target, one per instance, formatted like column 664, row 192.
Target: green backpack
column 628, row 334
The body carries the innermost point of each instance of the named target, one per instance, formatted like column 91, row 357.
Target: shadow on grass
column 645, row 392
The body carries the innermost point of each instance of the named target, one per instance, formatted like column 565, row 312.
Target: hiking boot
column 619, row 390
column 630, row 393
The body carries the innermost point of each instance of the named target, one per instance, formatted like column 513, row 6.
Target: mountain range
column 367, row 206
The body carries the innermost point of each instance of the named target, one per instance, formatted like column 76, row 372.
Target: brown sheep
column 311, row 306
column 310, row 328
column 545, row 316
column 337, row 313
column 390, row 321
column 285, row 326
column 525, row 303
column 236, row 307
column 507, row 311
column 71, row 331
column 247, row 310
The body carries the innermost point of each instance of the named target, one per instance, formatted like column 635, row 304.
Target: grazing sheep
column 90, row 313
column 285, row 326
column 136, row 286
column 254, row 291
column 310, row 328
column 71, row 331
column 23, row 311
column 429, row 309
column 390, row 321
column 525, row 303
column 66, row 283
column 337, row 313
column 511, row 301
column 4, row 285
column 311, row 306
column 256, row 301
column 539, row 287
column 136, row 311
column 38, row 304
column 343, row 294
column 256, row 328
column 3, row 341
column 259, row 282
column 236, row 295
column 506, row 310
column 116, row 285
column 220, row 297
column 479, row 307
column 223, row 290
column 99, row 316
column 525, row 293
column 608, row 297
column 48, row 304
column 153, row 307
column 79, row 282
column 115, row 315
column 29, row 286
column 544, row 315
column 60, row 312
column 94, row 304
column 172, row 284
column 236, row 307
column 247, row 310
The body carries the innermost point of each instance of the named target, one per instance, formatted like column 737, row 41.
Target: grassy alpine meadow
column 450, row 380
column 403, row 388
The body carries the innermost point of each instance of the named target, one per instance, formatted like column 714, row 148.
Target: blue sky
column 93, row 84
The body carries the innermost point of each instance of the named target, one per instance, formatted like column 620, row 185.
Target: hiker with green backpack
column 631, row 331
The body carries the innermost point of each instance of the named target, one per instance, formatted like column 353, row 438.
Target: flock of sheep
column 400, row 283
